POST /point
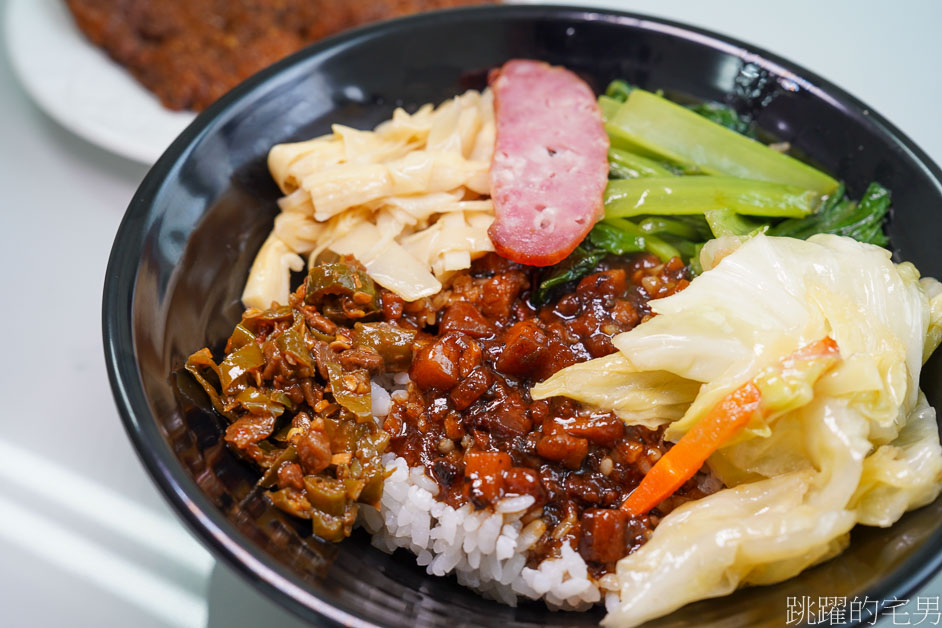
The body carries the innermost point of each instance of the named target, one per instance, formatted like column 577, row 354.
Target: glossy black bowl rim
column 203, row 518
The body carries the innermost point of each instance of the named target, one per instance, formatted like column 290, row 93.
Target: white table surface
column 64, row 458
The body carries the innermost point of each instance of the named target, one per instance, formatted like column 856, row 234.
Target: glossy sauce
column 468, row 416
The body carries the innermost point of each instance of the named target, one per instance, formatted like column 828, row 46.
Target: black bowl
column 185, row 245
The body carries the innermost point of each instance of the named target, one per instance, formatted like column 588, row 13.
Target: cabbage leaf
column 862, row 446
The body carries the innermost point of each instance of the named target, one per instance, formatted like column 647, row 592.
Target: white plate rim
column 81, row 88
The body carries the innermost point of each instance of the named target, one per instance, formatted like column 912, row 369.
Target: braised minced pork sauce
column 468, row 416
column 295, row 386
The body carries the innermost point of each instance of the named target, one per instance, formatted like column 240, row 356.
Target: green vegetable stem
column 655, row 126
column 696, row 195
column 624, row 164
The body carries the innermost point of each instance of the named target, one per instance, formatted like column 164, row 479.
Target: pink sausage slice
column 550, row 163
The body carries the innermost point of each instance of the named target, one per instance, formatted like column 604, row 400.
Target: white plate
column 81, row 88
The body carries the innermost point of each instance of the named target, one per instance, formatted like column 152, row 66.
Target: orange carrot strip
column 683, row 460
column 817, row 349
column 719, row 425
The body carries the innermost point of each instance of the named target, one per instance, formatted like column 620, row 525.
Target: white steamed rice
column 486, row 549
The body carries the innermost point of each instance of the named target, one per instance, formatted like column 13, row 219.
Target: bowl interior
column 184, row 249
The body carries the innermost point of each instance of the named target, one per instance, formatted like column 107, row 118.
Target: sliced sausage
column 550, row 163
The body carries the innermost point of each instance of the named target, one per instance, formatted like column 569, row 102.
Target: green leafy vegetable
column 619, row 90
column 739, row 187
column 619, row 236
column 577, row 265
column 623, row 164
column 616, row 236
column 724, row 116
column 725, row 222
column 862, row 221
column 653, row 126
column 695, row 195
column 693, row 227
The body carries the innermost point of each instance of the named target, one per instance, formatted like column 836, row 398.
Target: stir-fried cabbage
column 865, row 449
